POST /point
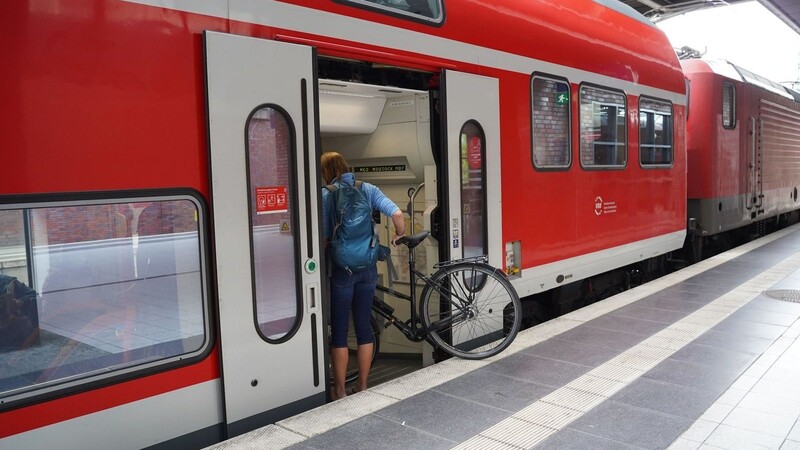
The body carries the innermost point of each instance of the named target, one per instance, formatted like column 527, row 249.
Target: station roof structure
column 786, row 10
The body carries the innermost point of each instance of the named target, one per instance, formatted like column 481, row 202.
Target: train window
column 603, row 128
column 728, row 105
column 270, row 162
column 655, row 132
column 99, row 288
column 473, row 192
column 426, row 11
column 551, row 117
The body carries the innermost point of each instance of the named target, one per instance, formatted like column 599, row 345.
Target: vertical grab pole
column 412, row 262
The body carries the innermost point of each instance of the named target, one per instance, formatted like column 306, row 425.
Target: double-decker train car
column 162, row 278
column 743, row 146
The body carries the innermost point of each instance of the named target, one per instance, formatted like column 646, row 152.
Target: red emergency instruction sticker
column 271, row 199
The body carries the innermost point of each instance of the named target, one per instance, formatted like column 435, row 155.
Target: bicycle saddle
column 413, row 240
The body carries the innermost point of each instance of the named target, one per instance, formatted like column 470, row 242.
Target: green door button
column 311, row 266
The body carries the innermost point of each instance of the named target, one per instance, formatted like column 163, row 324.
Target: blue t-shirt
column 374, row 196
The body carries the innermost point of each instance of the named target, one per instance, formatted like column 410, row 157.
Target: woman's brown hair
column 333, row 166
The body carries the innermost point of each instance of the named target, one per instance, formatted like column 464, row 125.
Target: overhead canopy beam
column 666, row 9
column 788, row 11
column 657, row 10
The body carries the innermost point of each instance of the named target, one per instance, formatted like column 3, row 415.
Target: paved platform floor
column 707, row 357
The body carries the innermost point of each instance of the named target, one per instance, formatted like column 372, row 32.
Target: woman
column 352, row 291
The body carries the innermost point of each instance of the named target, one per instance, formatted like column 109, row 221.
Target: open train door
column 472, row 143
column 472, row 140
column 261, row 114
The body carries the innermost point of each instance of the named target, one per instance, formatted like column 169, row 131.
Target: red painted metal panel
column 108, row 95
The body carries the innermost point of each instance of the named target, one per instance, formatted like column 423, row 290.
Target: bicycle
column 467, row 308
column 461, row 292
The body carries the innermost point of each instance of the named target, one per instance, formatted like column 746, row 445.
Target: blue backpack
column 354, row 242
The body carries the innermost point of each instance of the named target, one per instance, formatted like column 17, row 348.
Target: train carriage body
column 161, row 191
column 742, row 145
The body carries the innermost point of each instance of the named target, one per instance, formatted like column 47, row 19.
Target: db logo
column 598, row 206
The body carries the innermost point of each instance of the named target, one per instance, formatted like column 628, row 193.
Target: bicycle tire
column 487, row 323
column 352, row 346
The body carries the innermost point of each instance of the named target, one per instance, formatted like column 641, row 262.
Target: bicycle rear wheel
column 471, row 310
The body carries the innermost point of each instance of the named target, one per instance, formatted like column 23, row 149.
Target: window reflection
column 269, row 160
column 728, row 105
column 427, row 10
column 655, row 132
column 603, row 128
column 111, row 286
column 551, row 123
column 473, row 199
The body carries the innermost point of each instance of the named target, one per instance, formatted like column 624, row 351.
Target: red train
column 743, row 145
column 160, row 203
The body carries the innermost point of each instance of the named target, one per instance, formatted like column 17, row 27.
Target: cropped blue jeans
column 352, row 292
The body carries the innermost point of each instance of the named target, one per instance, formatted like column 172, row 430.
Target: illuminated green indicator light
column 311, row 266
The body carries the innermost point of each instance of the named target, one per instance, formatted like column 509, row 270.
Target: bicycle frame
column 412, row 328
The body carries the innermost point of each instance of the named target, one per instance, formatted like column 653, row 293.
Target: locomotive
column 743, row 156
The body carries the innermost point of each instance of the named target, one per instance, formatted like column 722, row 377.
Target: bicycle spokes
column 470, row 310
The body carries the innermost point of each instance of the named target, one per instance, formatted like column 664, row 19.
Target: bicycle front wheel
column 471, row 310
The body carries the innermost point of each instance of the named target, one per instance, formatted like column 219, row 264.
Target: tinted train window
column 428, row 11
column 728, row 105
column 97, row 289
column 603, row 128
column 655, row 132
column 550, row 107
column 269, row 153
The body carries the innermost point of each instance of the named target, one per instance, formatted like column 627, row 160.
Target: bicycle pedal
column 382, row 306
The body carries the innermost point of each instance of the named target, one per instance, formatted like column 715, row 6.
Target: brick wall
column 269, row 151
column 11, row 233
column 551, row 131
column 71, row 224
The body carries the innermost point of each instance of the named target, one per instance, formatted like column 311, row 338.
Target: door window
column 473, row 192
column 272, row 228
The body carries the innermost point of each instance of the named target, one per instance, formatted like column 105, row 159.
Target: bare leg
column 340, row 356
column 364, row 364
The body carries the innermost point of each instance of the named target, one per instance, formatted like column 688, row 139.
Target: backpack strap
column 333, row 188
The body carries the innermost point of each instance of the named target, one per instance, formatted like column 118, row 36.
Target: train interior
column 380, row 120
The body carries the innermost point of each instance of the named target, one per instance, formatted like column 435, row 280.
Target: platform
column 707, row 357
